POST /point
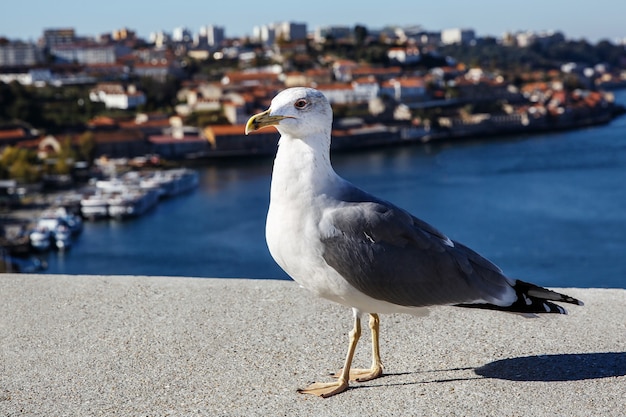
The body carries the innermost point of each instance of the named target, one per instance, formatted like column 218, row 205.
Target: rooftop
column 129, row 345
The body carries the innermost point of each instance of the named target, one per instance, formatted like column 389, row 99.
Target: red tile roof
column 227, row 130
column 13, row 133
column 165, row 139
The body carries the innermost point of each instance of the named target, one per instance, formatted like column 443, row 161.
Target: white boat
column 134, row 193
column 171, row 182
column 131, row 202
column 59, row 232
column 40, row 239
column 113, row 185
column 62, row 236
column 158, row 183
column 95, row 206
column 186, row 180
column 73, row 221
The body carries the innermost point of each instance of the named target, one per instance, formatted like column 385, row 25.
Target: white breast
column 302, row 187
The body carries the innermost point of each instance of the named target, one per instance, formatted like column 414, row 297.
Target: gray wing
column 390, row 255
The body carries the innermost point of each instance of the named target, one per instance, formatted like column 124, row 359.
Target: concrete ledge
column 139, row 346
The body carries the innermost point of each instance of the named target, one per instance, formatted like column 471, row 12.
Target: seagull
column 348, row 246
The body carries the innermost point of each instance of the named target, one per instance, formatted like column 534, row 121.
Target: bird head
column 297, row 113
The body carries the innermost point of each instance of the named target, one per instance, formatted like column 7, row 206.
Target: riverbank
column 104, row 345
column 54, row 220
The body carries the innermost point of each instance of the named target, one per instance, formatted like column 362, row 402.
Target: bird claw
column 325, row 389
column 362, row 375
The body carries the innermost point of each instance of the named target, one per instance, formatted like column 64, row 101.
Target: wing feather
column 390, row 255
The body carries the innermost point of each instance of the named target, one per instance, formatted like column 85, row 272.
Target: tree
column 360, row 35
column 86, row 146
column 160, row 95
column 16, row 163
column 7, row 158
column 6, row 101
column 206, row 118
column 21, row 104
column 65, row 158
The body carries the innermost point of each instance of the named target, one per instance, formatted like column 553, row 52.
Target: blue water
column 547, row 208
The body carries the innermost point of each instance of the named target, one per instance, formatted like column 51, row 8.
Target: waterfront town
column 73, row 105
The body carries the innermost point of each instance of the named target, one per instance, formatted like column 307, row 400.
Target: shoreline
column 347, row 140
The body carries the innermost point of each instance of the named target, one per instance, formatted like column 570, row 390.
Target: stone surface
column 158, row 346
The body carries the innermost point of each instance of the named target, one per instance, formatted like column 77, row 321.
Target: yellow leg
column 341, row 384
column 362, row 375
column 377, row 366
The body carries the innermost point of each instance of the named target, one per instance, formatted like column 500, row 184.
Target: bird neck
column 302, row 167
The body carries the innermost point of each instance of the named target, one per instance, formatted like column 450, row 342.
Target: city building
column 285, row 31
column 182, row 35
column 159, row 70
column 291, row 31
column 115, row 96
column 405, row 89
column 54, row 37
column 15, row 54
column 124, row 34
column 31, row 76
column 210, row 36
column 404, row 55
column 323, row 33
column 160, row 39
column 453, row 36
column 265, row 34
column 88, row 53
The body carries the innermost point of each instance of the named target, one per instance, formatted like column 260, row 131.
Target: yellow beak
column 261, row 120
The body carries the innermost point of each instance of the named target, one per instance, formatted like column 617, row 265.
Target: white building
column 87, row 54
column 288, row 31
column 15, row 54
column 210, row 36
column 365, row 89
column 265, row 34
column 339, row 94
column 452, row 36
column 404, row 55
column 405, row 89
column 160, row 39
column 52, row 37
column 31, row 77
column 115, row 96
column 334, row 32
column 291, row 31
column 182, row 35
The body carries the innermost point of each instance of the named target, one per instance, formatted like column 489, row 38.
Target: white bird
column 353, row 248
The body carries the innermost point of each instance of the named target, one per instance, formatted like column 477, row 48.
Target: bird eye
column 300, row 104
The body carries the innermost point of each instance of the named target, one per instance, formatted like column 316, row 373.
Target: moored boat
column 131, row 202
column 171, row 182
column 40, row 239
column 73, row 221
column 60, row 234
column 94, row 206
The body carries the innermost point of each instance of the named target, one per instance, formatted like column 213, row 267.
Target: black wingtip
column 532, row 299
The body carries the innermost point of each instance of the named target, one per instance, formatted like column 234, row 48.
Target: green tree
column 7, row 97
column 86, row 146
column 8, row 156
column 66, row 157
column 17, row 163
column 160, row 95
column 206, row 118
column 22, row 104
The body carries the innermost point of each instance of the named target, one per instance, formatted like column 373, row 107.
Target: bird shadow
column 544, row 368
column 561, row 367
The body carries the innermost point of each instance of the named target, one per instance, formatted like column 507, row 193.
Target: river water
column 547, row 208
